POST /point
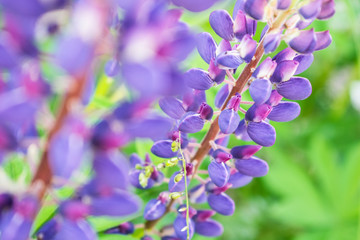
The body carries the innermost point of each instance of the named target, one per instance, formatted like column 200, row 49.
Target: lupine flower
column 140, row 46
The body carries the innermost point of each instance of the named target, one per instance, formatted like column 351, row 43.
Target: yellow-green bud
column 161, row 166
column 171, row 162
column 175, row 146
column 148, row 171
column 174, row 195
column 143, row 180
column 138, row 167
column 178, row 177
column 182, row 209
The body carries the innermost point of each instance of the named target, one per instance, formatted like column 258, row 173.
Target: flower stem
column 186, row 190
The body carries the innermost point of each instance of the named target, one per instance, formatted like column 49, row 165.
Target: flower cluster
column 139, row 45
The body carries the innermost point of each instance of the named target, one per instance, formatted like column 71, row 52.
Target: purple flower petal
column 260, row 90
column 327, row 9
column 286, row 54
column 284, row 71
column 134, row 160
column 296, row 88
column 180, row 224
column 153, row 127
column 163, row 149
column 195, row 6
column 222, row 204
column 16, row 224
column 191, row 123
column 154, row 209
column 247, row 48
column 262, row 133
column 305, row 61
column 206, row 46
column 118, row 204
column 216, row 74
column 265, row 69
column 323, row 40
column 229, row 60
column 274, row 99
column 172, row 107
column 205, row 111
column 311, row 10
column 245, row 151
column 253, row 166
column 197, row 194
column 221, row 96
column 111, row 170
column 224, row 46
column 222, row 24
column 8, row 57
column 305, row 42
column 271, row 42
column 221, row 156
column 284, row 112
column 177, row 186
column 198, row 79
column 241, row 131
column 228, row 121
column 134, row 180
column 123, row 228
column 257, row 113
column 209, row 228
column 240, row 25
column 66, row 153
column 283, row 4
column 219, row 173
column 49, row 229
column 255, row 8
column 74, row 55
column 193, row 100
column 238, row 180
column 112, row 68
column 302, row 24
column 75, row 230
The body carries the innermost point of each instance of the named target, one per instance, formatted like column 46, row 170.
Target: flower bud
column 174, row 146
column 148, row 171
column 123, row 228
column 234, row 102
column 174, row 195
column 138, row 167
column 178, row 177
column 205, row 111
column 221, row 156
column 143, row 180
column 171, row 162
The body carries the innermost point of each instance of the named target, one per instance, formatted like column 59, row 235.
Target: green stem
column 186, row 190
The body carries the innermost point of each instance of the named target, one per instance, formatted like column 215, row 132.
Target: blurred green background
column 313, row 188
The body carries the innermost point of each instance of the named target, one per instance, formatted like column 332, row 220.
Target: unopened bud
column 174, row 195
column 174, row 146
column 143, row 180
column 138, row 167
column 178, row 177
column 161, row 166
column 171, row 162
column 148, row 171
column 182, row 209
